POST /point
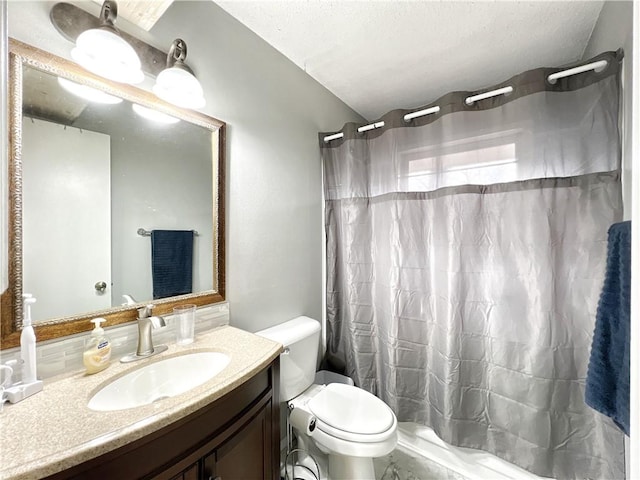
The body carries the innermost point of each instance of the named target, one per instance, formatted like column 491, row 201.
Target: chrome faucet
column 146, row 322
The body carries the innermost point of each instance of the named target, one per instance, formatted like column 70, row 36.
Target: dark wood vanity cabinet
column 236, row 437
column 244, row 456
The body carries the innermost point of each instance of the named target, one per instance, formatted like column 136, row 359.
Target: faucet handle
column 145, row 311
column 129, row 300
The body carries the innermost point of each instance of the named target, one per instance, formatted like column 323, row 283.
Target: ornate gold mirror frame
column 11, row 299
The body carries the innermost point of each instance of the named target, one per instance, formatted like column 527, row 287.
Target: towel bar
column 147, row 233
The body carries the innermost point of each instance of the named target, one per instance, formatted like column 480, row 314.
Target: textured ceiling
column 381, row 55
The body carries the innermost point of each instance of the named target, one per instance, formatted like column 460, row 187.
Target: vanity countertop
column 55, row 430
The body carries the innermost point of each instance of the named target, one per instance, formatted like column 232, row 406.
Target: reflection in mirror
column 92, row 164
column 93, row 174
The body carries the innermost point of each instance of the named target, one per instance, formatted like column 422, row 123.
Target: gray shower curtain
column 465, row 255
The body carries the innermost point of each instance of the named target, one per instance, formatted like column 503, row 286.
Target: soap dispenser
column 97, row 352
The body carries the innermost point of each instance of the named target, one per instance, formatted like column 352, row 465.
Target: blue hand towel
column 607, row 389
column 171, row 262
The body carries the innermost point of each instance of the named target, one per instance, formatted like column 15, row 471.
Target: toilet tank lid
column 288, row 333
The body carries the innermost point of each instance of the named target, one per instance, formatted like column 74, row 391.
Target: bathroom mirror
column 89, row 181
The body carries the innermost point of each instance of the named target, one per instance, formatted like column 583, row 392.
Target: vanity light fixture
column 104, row 52
column 88, row 93
column 154, row 115
column 177, row 84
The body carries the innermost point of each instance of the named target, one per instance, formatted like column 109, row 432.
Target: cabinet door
column 246, row 455
column 190, row 473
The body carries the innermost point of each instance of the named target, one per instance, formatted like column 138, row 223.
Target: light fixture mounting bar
column 71, row 21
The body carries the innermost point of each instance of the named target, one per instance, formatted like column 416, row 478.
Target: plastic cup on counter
column 185, row 321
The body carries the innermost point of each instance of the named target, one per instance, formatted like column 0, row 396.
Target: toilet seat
column 354, row 437
column 352, row 414
column 329, row 443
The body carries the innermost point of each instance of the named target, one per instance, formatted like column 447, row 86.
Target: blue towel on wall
column 171, row 262
column 607, row 389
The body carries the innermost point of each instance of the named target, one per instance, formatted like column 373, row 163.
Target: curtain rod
column 597, row 66
column 552, row 79
column 371, row 126
column 421, row 113
column 493, row 93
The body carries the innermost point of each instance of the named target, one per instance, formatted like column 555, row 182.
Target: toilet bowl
column 352, row 426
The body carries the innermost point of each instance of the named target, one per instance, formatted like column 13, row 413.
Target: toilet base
column 332, row 465
column 350, row 468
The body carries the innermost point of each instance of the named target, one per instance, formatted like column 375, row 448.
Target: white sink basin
column 159, row 380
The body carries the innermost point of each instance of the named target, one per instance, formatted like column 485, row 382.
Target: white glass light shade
column 154, row 115
column 106, row 54
column 179, row 87
column 88, row 93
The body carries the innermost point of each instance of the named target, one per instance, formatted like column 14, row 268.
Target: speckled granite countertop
column 54, row 430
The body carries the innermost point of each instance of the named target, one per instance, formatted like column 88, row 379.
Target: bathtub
column 467, row 463
column 422, row 455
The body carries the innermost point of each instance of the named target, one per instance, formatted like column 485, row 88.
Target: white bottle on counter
column 28, row 342
column 29, row 385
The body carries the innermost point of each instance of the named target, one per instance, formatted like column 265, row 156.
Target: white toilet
column 352, row 425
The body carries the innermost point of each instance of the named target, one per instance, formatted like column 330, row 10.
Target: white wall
column 613, row 30
column 273, row 111
column 634, row 449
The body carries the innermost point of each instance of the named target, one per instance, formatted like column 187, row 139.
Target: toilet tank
column 301, row 338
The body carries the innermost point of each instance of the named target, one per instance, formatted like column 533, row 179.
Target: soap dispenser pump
column 98, row 349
